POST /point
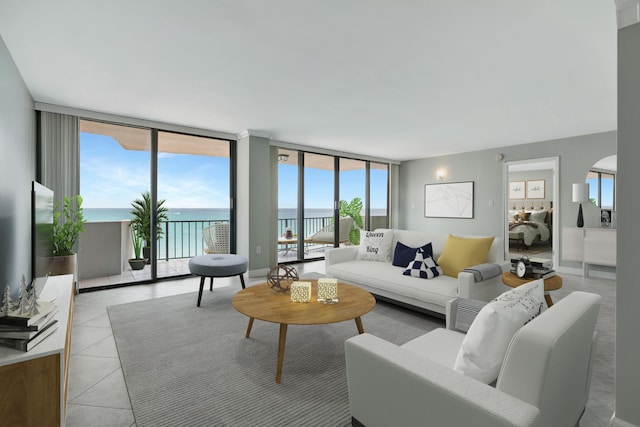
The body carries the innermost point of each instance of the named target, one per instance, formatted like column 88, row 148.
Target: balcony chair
column 544, row 378
column 216, row 237
column 324, row 236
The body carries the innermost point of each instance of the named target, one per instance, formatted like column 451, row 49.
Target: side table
column 550, row 284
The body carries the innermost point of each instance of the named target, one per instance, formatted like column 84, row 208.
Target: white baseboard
column 617, row 422
column 592, row 273
column 262, row 272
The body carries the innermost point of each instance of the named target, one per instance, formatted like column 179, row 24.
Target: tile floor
column 97, row 394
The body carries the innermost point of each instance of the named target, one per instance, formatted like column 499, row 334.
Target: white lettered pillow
column 485, row 344
column 375, row 245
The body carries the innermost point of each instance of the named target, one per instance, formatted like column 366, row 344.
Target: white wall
column 576, row 154
column 628, row 289
column 17, row 170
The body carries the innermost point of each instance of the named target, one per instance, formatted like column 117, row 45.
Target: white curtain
column 59, row 159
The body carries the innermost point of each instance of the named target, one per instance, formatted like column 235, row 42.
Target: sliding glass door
column 123, row 170
column 115, row 164
column 323, row 201
column 319, row 203
column 194, row 184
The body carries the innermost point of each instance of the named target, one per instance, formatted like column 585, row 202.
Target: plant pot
column 146, row 253
column 64, row 264
column 137, row 263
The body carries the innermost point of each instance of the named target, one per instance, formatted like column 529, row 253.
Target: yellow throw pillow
column 459, row 253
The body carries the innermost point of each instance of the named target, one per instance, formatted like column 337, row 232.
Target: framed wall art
column 450, row 200
column 516, row 190
column 535, row 189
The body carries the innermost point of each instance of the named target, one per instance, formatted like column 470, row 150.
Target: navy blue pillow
column 404, row 255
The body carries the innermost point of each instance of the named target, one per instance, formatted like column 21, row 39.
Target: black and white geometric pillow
column 423, row 266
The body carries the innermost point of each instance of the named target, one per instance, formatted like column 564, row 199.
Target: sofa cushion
column 485, row 345
column 460, row 252
column 381, row 278
column 404, row 254
column 440, row 345
column 375, row 245
column 423, row 266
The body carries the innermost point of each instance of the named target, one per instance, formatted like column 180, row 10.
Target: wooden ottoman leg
column 200, row 292
column 242, row 280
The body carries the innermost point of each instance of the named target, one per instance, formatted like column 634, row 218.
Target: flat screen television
column 41, row 234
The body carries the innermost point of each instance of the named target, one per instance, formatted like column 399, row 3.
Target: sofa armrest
column 389, row 385
column 342, row 254
column 461, row 312
column 485, row 290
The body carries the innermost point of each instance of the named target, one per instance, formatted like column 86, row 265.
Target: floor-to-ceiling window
column 287, row 204
column 194, row 176
column 312, row 188
column 190, row 179
column 319, row 204
column 115, row 167
column 353, row 197
column 378, row 196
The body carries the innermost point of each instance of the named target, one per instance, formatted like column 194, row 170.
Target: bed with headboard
column 533, row 219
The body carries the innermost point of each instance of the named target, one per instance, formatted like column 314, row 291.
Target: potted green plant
column 142, row 221
column 353, row 210
column 138, row 262
column 67, row 226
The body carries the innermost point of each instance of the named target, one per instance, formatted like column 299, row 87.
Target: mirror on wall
column 531, row 208
column 601, row 178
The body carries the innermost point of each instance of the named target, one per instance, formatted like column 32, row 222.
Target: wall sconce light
column 283, row 158
column 441, row 174
column 579, row 194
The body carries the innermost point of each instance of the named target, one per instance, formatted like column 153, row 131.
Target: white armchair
column 544, row 379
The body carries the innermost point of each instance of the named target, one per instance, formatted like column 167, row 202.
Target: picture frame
column 517, row 190
column 449, row 200
column 536, row 189
column 606, row 218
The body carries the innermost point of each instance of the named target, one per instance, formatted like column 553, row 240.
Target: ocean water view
column 191, row 214
column 182, row 235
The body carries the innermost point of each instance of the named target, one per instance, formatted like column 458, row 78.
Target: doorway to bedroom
column 531, row 226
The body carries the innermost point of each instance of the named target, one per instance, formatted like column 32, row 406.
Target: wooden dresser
column 33, row 384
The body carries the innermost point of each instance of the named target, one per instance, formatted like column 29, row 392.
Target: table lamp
column 580, row 191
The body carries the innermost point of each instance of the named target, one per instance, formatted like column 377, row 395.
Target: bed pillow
column 538, row 216
column 403, row 254
column 524, row 216
column 485, row 344
column 423, row 266
column 459, row 253
column 375, row 245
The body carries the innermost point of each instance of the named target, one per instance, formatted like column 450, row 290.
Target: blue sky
column 319, row 187
column 112, row 177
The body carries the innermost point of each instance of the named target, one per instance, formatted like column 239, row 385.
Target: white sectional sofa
column 387, row 281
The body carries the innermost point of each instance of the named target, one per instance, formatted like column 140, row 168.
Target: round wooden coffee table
column 550, row 284
column 263, row 303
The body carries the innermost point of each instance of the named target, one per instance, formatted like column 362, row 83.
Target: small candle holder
column 328, row 291
column 300, row 291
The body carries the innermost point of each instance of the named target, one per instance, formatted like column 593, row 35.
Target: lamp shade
column 580, row 191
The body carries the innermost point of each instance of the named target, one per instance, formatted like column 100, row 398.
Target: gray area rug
column 189, row 366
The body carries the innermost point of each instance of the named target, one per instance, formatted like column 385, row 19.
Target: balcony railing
column 183, row 239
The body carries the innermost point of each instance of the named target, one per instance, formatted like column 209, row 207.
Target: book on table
column 26, row 334
column 16, row 319
column 28, row 344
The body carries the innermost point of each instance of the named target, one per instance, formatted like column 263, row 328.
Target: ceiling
column 398, row 80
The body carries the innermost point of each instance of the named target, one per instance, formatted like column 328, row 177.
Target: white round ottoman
column 217, row 265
